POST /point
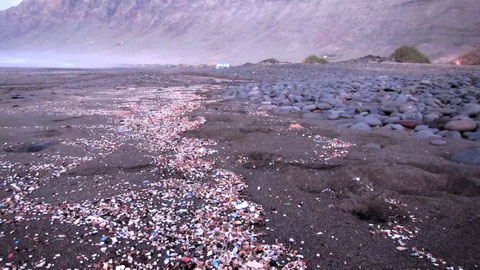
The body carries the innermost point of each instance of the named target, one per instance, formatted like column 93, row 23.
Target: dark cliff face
column 207, row 31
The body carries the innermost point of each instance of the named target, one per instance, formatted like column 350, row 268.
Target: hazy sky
column 4, row 4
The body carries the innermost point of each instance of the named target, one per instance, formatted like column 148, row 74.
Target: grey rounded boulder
column 372, row 121
column 310, row 115
column 361, row 126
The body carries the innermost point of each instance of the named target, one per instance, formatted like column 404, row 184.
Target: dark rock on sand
column 469, row 156
column 374, row 145
column 372, row 121
column 317, row 116
column 473, row 136
column 361, row 126
column 29, row 148
column 425, row 134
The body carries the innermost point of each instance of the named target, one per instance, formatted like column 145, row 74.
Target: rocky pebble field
column 437, row 103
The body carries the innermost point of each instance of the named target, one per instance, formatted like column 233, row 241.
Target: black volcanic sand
column 339, row 203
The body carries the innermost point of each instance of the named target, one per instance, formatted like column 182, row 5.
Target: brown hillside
column 471, row 58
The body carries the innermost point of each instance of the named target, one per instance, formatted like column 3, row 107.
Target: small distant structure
column 222, row 66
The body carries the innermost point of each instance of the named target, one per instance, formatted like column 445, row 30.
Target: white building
column 222, row 66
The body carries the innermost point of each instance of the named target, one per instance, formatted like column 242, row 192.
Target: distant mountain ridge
column 237, row 31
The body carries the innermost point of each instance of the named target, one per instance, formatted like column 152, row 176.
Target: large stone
column 469, row 156
column 286, row 109
column 450, row 134
column 421, row 127
column 310, row 115
column 406, row 107
column 473, row 136
column 438, row 142
column 447, row 111
column 397, row 127
column 430, row 118
column 430, row 101
column 472, row 110
column 310, row 107
column 373, row 145
column 334, row 115
column 401, row 99
column 361, row 126
column 425, row 134
column 461, row 125
column 295, row 99
column 372, row 121
column 323, row 106
column 408, row 123
column 391, row 120
column 413, row 115
column 388, row 110
column 333, row 101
